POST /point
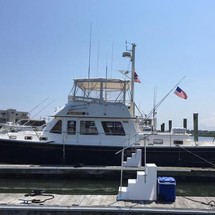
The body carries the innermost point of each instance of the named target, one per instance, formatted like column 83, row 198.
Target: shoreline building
column 12, row 115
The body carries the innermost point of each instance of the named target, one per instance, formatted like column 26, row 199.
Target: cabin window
column 28, row 137
column 71, row 127
column 88, row 128
column 113, row 128
column 43, row 138
column 57, row 128
column 12, row 137
column 75, row 113
column 158, row 141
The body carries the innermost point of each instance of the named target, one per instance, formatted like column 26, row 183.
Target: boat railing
column 81, row 98
column 136, row 137
column 95, row 100
column 98, row 138
column 100, row 90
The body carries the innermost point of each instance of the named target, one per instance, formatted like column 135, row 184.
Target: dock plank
column 86, row 201
column 107, row 202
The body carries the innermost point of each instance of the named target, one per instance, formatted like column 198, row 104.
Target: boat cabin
column 97, row 113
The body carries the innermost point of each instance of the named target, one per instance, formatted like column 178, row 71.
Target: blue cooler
column 166, row 189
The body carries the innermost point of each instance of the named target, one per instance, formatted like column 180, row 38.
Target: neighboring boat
column 23, row 124
column 97, row 122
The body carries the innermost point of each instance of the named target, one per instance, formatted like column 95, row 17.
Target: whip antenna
column 90, row 50
column 89, row 58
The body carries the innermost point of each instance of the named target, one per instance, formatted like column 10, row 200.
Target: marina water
column 93, row 187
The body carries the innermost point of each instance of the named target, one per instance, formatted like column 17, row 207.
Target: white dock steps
column 135, row 160
column 144, row 187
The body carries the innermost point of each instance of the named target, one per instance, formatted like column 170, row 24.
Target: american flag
column 180, row 93
column 136, row 78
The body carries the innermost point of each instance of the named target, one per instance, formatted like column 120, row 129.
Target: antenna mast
column 90, row 50
column 132, row 78
column 131, row 55
column 112, row 59
column 154, row 128
column 89, row 58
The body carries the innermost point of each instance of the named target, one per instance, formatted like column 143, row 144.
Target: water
column 195, row 188
column 93, row 187
column 205, row 139
column 59, row 186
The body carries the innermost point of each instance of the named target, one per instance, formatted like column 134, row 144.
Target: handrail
column 124, row 148
column 122, row 158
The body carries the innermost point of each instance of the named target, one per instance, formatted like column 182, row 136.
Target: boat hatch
column 178, row 142
column 158, row 141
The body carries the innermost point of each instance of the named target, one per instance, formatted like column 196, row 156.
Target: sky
column 44, row 45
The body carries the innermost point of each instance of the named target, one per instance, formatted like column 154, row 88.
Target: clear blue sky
column 44, row 44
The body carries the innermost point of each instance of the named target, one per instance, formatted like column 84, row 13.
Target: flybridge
column 100, row 90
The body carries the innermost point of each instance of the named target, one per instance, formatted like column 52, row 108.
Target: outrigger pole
column 153, row 112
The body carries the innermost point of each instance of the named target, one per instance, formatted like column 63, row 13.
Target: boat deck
column 99, row 204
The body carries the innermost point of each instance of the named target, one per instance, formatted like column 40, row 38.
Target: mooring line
column 197, row 156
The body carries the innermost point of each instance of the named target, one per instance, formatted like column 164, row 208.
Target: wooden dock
column 11, row 204
column 56, row 204
column 106, row 172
